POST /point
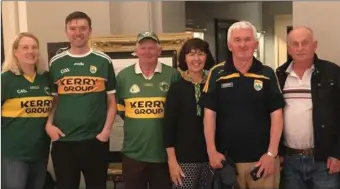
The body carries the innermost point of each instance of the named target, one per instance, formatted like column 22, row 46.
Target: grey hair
column 242, row 25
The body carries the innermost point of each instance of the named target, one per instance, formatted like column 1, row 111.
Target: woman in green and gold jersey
column 25, row 105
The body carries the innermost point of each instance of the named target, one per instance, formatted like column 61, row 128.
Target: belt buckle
column 305, row 152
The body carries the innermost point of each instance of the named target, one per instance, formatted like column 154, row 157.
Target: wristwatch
column 271, row 154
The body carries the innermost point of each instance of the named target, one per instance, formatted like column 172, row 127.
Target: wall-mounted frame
column 169, row 41
column 121, row 48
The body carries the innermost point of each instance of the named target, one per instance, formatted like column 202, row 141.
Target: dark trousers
column 302, row 172
column 18, row 174
column 144, row 175
column 91, row 157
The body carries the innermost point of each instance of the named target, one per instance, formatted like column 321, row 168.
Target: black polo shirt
column 243, row 104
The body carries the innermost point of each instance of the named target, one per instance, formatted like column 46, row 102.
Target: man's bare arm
column 275, row 131
column 111, row 112
column 209, row 129
column 54, row 107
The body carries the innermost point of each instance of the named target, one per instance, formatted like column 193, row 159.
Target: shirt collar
column 290, row 68
column 230, row 67
column 157, row 69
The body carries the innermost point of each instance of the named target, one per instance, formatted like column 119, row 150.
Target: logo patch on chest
column 164, row 86
column 93, row 69
column 134, row 89
column 258, row 85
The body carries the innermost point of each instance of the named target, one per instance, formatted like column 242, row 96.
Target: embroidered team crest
column 164, row 86
column 258, row 84
column 93, row 69
column 134, row 89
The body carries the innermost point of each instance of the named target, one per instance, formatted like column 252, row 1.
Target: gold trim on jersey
column 27, row 107
column 143, row 108
column 80, row 85
column 229, row 76
column 206, row 86
column 255, row 76
column 30, row 78
column 120, row 107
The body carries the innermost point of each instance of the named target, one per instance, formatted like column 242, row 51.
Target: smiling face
column 27, row 51
column 242, row 43
column 301, row 44
column 195, row 60
column 78, row 32
column 148, row 51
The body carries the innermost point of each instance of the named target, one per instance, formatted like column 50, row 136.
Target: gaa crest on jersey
column 258, row 84
column 134, row 89
column 93, row 69
column 164, row 86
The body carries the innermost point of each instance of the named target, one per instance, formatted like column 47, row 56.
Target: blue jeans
column 302, row 172
column 18, row 174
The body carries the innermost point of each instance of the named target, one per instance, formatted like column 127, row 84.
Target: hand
column 54, row 132
column 267, row 165
column 103, row 136
column 215, row 159
column 176, row 173
column 333, row 165
column 281, row 162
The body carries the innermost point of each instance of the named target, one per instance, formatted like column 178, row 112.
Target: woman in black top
column 183, row 124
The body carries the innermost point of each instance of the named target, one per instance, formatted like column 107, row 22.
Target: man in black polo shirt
column 243, row 111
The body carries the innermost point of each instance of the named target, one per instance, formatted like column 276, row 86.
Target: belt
column 300, row 152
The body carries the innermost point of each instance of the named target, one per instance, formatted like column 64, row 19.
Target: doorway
column 221, row 30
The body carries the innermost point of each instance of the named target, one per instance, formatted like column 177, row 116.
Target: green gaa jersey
column 82, row 84
column 25, row 105
column 141, row 104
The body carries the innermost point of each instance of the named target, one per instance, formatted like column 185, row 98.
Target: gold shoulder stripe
column 229, row 76
column 256, row 76
column 206, row 86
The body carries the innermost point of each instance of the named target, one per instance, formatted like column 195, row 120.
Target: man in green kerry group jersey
column 83, row 83
column 141, row 92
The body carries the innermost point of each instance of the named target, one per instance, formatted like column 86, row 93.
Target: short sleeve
column 51, row 76
column 119, row 96
column 209, row 94
column 274, row 97
column 4, row 88
column 110, row 84
column 176, row 77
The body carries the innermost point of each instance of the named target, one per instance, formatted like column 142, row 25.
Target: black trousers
column 91, row 157
column 144, row 175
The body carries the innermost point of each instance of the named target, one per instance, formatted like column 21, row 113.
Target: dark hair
column 78, row 15
column 195, row 44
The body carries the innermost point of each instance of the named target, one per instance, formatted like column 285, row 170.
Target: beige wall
column 270, row 11
column 47, row 19
column 324, row 19
column 129, row 18
column 280, row 39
